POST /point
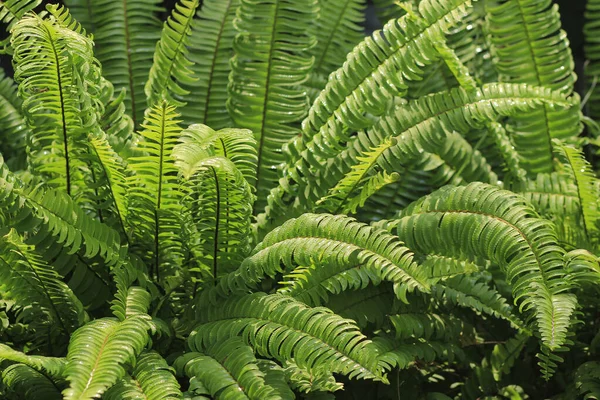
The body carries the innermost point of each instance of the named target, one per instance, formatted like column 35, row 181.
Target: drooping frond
column 155, row 197
column 268, row 70
column 228, row 369
column 29, row 384
column 530, row 47
column 468, row 292
column 151, row 379
column 315, row 383
column 280, row 327
column 52, row 366
column 210, row 49
column 29, row 280
column 58, row 79
column 55, row 219
column 125, row 34
column 339, row 27
column 484, row 221
column 13, row 129
column 171, row 65
column 334, row 253
column 98, row 352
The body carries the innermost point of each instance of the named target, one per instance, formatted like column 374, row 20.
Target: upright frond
column 171, row 65
column 530, row 47
column 268, row 70
column 210, row 49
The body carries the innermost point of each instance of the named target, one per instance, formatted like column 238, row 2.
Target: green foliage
column 177, row 221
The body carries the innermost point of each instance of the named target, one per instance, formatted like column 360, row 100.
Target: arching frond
column 481, row 220
column 335, row 253
column 50, row 366
column 151, row 379
column 210, row 49
column 98, row 352
column 228, row 369
column 30, row 383
column 505, row 355
column 417, row 126
column 283, row 328
column 529, row 47
column 268, row 69
column 26, row 278
column 171, row 65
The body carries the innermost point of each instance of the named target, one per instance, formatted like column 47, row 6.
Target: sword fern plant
column 255, row 201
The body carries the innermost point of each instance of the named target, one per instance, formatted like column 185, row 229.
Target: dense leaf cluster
column 253, row 200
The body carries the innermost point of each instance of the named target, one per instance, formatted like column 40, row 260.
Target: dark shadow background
column 572, row 15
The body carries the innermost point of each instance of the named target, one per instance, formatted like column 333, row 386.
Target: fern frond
column 13, row 129
column 125, row 35
column 98, row 352
column 268, row 69
column 591, row 30
column 210, row 49
column 481, row 220
column 58, row 77
column 280, row 327
column 310, row 382
column 30, row 383
column 504, row 355
column 337, row 252
column 339, row 27
column 417, row 126
column 587, row 380
column 11, row 11
column 228, row 369
column 530, row 47
column 469, row 292
column 371, row 304
column 152, row 379
column 29, row 280
column 588, row 189
column 171, row 60
column 155, row 197
column 51, row 366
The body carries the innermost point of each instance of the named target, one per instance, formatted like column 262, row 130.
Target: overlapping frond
column 125, row 34
column 530, row 47
column 329, row 253
column 228, row 369
column 280, row 327
column 171, row 65
column 210, row 49
column 417, row 126
column 481, row 220
column 588, row 188
column 268, row 70
column 338, row 28
column 13, row 129
column 58, row 80
column 11, row 12
column 28, row 279
column 98, row 352
column 151, row 379
column 22, row 380
column 52, row 366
